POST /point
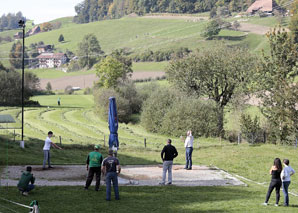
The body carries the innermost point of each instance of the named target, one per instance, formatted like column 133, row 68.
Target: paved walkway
column 137, row 175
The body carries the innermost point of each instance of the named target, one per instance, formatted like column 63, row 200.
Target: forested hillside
column 93, row 10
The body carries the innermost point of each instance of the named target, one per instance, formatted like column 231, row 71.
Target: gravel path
column 138, row 175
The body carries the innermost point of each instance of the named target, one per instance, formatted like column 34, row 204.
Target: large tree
column 89, row 51
column 294, row 20
column 276, row 75
column 216, row 74
column 15, row 56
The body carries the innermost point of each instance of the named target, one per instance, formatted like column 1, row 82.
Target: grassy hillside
column 140, row 34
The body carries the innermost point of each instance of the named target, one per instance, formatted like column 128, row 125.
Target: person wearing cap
column 93, row 164
column 46, row 150
column 188, row 144
column 23, row 185
column 111, row 168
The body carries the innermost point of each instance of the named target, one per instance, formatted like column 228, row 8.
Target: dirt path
column 84, row 81
column 75, row 175
column 253, row 28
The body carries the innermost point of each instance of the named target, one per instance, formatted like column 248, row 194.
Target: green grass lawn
column 55, row 73
column 149, row 66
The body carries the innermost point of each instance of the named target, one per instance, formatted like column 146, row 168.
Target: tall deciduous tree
column 112, row 71
column 276, row 83
column 211, row 29
column 89, row 50
column 294, row 20
column 216, row 73
column 15, row 55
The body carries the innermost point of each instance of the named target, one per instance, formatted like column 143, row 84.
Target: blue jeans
column 285, row 187
column 188, row 154
column 29, row 188
column 112, row 176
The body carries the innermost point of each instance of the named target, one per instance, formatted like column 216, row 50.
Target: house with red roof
column 265, row 6
column 51, row 60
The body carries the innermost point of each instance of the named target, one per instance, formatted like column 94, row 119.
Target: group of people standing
column 280, row 177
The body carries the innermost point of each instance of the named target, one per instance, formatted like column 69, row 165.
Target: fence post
column 145, row 142
column 14, row 135
column 239, row 138
column 296, row 142
column 60, row 139
column 104, row 140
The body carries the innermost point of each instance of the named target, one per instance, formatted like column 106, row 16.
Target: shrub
column 190, row 113
column 250, row 128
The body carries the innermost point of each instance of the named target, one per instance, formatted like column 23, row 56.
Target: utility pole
column 22, row 25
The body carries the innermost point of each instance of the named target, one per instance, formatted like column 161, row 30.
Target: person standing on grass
column 111, row 168
column 59, row 101
column 188, row 144
column 168, row 153
column 46, row 150
column 286, row 174
column 275, row 172
column 23, row 185
column 93, row 164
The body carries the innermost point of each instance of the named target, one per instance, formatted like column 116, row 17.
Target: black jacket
column 168, row 153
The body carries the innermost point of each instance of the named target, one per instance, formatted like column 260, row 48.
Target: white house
column 51, row 60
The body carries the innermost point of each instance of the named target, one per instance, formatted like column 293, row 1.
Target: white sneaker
column 275, row 204
column 161, row 183
column 265, row 204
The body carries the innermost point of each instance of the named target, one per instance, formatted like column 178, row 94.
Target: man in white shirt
column 46, row 150
column 286, row 174
column 188, row 144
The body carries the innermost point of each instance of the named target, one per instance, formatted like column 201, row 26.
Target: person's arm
column 32, row 180
column 162, row 153
column 103, row 170
column 118, row 169
column 292, row 171
column 55, row 146
column 175, row 153
column 87, row 162
column 270, row 172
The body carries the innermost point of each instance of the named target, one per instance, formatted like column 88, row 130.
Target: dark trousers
column 274, row 184
column 97, row 171
column 29, row 188
column 112, row 177
column 188, row 153
column 285, row 187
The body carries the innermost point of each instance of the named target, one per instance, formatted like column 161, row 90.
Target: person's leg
column 285, row 186
column 98, row 174
column 45, row 158
column 30, row 187
column 270, row 189
column 189, row 157
column 89, row 177
column 164, row 172
column 170, row 164
column 277, row 190
column 115, row 185
column 108, row 185
column 186, row 158
column 49, row 159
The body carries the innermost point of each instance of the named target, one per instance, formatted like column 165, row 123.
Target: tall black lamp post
column 22, row 25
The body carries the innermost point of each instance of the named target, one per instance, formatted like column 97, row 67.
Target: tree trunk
column 220, row 129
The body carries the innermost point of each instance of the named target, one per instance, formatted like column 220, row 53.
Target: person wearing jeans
column 46, row 150
column 111, row 168
column 188, row 144
column 23, row 185
column 168, row 153
column 286, row 174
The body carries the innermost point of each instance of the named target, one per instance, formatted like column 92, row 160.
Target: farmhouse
column 265, row 6
column 44, row 48
column 33, row 31
column 51, row 60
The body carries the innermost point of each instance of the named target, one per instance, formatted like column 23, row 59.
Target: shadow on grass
column 229, row 38
column 12, row 154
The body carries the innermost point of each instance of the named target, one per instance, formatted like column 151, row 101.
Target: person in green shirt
column 93, row 164
column 26, row 178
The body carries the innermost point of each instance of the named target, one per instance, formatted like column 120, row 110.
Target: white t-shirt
column 286, row 172
column 188, row 141
column 47, row 144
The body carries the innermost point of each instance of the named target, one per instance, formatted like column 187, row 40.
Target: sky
column 40, row 10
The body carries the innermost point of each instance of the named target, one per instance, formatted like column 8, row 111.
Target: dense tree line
column 10, row 21
column 93, row 10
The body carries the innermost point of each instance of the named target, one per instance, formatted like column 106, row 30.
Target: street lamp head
column 21, row 23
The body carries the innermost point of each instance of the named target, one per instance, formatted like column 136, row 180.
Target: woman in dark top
column 275, row 181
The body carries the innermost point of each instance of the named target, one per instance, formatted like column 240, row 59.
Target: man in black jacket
column 168, row 153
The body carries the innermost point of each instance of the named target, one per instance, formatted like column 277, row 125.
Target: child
column 286, row 174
